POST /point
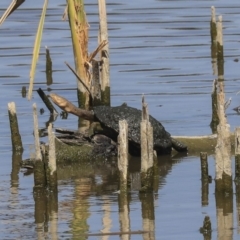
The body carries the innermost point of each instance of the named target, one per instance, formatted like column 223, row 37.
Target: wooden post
column 123, row 155
column 79, row 34
column 52, row 165
column 96, row 86
column 223, row 148
column 146, row 150
column 15, row 135
column 39, row 170
column 204, row 171
column 103, row 36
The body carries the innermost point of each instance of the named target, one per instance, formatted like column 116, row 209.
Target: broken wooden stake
column 105, row 69
column 123, row 155
column 15, row 135
column 39, row 169
column 223, row 148
column 146, row 151
column 204, row 178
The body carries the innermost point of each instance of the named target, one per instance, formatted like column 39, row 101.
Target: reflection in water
column 224, row 205
column 80, row 207
column 16, row 159
column 106, row 220
column 237, row 187
column 124, row 221
column 148, row 215
column 154, row 49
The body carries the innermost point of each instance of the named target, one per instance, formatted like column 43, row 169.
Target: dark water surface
column 159, row 48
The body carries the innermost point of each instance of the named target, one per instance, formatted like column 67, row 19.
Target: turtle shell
column 109, row 119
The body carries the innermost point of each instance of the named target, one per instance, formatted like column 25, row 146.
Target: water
column 159, row 48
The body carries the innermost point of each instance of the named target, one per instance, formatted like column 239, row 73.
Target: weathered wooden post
column 17, row 147
column 79, row 34
column 223, row 179
column 39, row 169
column 123, row 155
column 146, row 151
column 15, row 135
column 96, row 86
column 223, row 148
column 204, row 178
column 103, row 36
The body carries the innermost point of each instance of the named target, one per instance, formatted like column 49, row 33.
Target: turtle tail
column 179, row 146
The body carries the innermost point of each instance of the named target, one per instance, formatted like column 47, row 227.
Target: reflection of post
column 213, row 31
column 124, row 214
column 40, row 198
column 204, row 170
column 237, row 173
column 16, row 159
column 237, row 155
column 107, row 222
column 81, row 207
column 238, row 206
column 148, row 215
column 224, row 217
column 206, row 229
column 48, row 68
column 53, row 214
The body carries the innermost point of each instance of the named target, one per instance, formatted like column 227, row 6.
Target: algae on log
column 84, row 153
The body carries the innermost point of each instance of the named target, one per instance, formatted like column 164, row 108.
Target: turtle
column 109, row 118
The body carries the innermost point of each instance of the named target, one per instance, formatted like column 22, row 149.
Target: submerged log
column 206, row 143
